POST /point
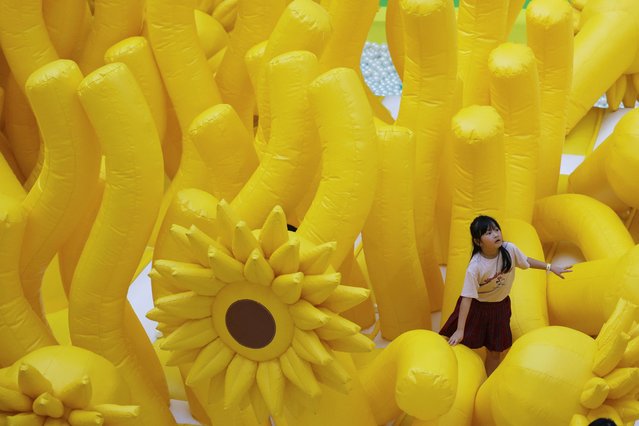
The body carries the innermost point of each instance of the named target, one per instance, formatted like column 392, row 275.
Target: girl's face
column 490, row 241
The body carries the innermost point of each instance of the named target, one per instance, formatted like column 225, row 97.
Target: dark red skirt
column 487, row 324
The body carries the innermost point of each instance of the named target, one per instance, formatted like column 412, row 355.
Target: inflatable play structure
column 234, row 146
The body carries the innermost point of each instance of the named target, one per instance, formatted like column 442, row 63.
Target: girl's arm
column 555, row 269
column 458, row 335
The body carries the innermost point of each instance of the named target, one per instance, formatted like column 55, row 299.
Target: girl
column 482, row 315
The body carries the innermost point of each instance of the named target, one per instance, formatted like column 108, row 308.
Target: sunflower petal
column 198, row 279
column 225, row 268
column 622, row 381
column 345, row 297
column 161, row 316
column 274, row 232
column 113, row 413
column 179, row 235
column 307, row 316
column 334, row 375
column 353, row 343
column 259, row 405
column 210, row 362
column 190, row 335
column 299, row 372
column 31, row 382
column 240, row 376
column 270, row 381
column 188, row 305
column 288, row 287
column 85, row 418
column 166, row 282
column 48, row 405
column 176, row 358
column 257, row 270
column 11, row 400
column 286, row 259
column 25, row 419
column 226, row 220
column 201, row 241
column 244, row 242
column 336, row 327
column 77, row 394
column 317, row 259
column 317, row 288
column 308, row 347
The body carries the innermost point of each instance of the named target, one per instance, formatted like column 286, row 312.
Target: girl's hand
column 559, row 270
column 457, row 337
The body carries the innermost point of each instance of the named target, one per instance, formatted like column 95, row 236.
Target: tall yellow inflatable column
column 254, row 23
column 514, row 93
column 389, row 239
column 550, row 36
column 290, row 160
column 69, row 174
column 26, row 46
column 349, row 162
column 21, row 330
column 430, row 76
column 479, row 180
column 481, row 28
column 134, row 181
column 112, row 21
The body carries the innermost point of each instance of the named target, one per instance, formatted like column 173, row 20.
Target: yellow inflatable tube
column 611, row 30
column 430, row 75
column 549, row 34
column 113, row 20
column 581, row 220
column 69, row 174
column 389, row 239
column 416, row 367
column 606, row 174
column 349, row 162
column 528, row 294
column 303, row 25
column 350, row 22
column 254, row 23
column 481, row 27
column 479, row 187
column 24, row 38
column 597, row 284
column 226, row 147
column 21, row 329
column 514, row 93
column 65, row 21
column 116, row 108
column 291, row 158
column 604, row 277
column 187, row 76
column 136, row 53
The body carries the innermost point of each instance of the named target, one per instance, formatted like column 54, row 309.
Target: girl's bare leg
column 492, row 361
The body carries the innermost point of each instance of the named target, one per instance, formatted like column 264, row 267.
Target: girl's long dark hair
column 479, row 226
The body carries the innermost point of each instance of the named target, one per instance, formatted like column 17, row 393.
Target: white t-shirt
column 484, row 280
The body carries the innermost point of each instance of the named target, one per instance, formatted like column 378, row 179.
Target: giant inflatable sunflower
column 260, row 307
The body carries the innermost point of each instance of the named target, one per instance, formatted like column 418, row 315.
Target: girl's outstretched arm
column 458, row 335
column 549, row 267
